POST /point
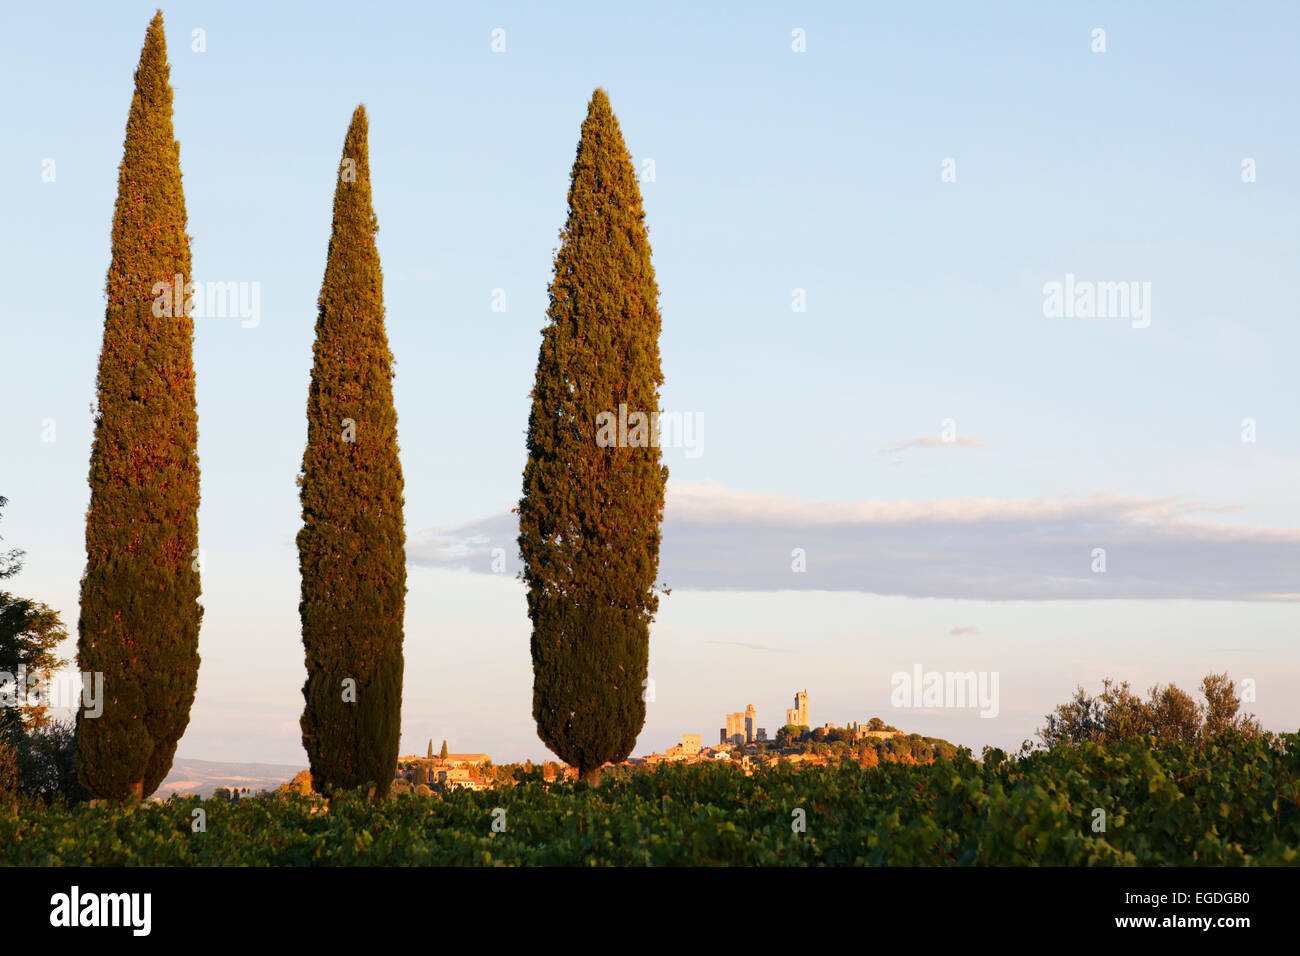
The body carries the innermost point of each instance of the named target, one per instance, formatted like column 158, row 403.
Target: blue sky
column 774, row 171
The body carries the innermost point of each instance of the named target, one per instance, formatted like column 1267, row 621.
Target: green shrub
column 1233, row 802
column 47, row 761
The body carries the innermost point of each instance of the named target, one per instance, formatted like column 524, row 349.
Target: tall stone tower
column 750, row 724
column 734, row 732
column 798, row 716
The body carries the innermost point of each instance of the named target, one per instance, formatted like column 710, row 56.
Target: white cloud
column 715, row 538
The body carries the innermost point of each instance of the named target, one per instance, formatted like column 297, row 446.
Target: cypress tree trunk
column 590, row 512
column 352, row 546
column 139, row 621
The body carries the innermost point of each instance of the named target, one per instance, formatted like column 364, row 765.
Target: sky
column 900, row 454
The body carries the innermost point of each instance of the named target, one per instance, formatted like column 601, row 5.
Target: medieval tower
column 798, row 716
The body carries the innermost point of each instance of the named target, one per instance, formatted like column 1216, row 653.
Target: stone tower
column 798, row 716
column 734, row 732
column 750, row 724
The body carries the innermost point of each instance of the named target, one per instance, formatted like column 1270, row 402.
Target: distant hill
column 202, row 777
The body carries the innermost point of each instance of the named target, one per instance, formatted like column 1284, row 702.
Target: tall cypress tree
column 590, row 512
column 352, row 546
column 139, row 622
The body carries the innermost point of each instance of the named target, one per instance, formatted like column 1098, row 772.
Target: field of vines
column 1232, row 802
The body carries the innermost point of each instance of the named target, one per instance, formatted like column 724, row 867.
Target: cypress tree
column 352, row 546
column 139, row 620
column 590, row 512
column 442, row 754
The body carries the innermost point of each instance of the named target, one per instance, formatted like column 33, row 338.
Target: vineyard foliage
column 1232, row 802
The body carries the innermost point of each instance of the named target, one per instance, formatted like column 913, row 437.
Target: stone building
column 740, row 727
column 688, row 748
column 734, row 728
column 798, row 716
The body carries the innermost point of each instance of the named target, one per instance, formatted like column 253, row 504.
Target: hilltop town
column 740, row 739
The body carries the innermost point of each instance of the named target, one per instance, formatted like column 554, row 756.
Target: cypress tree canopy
column 139, row 620
column 590, row 512
column 352, row 546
